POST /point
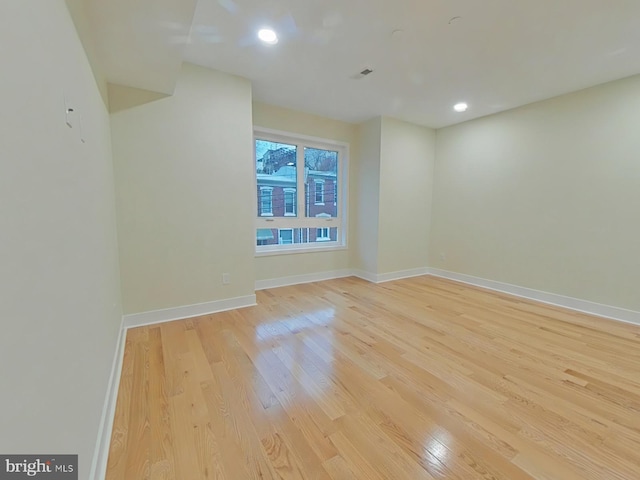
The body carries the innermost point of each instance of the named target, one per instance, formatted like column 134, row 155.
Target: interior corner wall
column 407, row 156
column 185, row 193
column 291, row 121
column 545, row 196
column 366, row 197
column 60, row 307
column 80, row 17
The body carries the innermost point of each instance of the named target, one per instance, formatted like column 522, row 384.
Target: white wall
column 406, row 182
column 546, row 196
column 394, row 191
column 80, row 16
column 185, row 195
column 286, row 120
column 367, row 197
column 60, row 306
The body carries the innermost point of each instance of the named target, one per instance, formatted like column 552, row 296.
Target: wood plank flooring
column 415, row 379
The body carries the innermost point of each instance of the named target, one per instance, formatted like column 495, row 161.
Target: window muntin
column 321, row 224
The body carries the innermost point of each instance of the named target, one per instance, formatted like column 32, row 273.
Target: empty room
column 284, row 239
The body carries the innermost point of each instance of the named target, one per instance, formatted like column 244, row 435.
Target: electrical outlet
column 443, row 257
column 226, row 278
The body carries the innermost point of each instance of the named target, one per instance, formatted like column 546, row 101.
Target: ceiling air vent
column 362, row 74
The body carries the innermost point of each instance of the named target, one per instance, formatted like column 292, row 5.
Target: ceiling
column 493, row 54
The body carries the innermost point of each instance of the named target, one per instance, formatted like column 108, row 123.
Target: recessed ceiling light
column 268, row 36
column 460, row 107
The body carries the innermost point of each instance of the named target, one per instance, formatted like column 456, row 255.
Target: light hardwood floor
column 415, row 379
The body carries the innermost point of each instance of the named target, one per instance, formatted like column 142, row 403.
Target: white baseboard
column 187, row 311
column 414, row 272
column 584, row 306
column 368, row 276
column 298, row 279
column 388, row 277
column 101, row 453
column 320, row 276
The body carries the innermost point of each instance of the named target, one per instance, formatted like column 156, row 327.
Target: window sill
column 303, row 249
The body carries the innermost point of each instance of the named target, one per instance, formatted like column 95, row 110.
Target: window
column 265, row 236
column 285, row 236
column 266, row 201
column 322, row 235
column 296, row 178
column 319, row 184
column 289, row 202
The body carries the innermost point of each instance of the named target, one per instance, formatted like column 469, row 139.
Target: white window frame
column 262, row 212
column 319, row 183
column 300, row 220
column 285, row 191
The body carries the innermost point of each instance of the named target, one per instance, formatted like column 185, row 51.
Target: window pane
column 276, row 172
column 289, row 236
column 321, row 182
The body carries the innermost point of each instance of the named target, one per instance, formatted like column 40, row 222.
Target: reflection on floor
column 415, row 379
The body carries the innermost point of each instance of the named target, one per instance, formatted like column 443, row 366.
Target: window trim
column 300, row 221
